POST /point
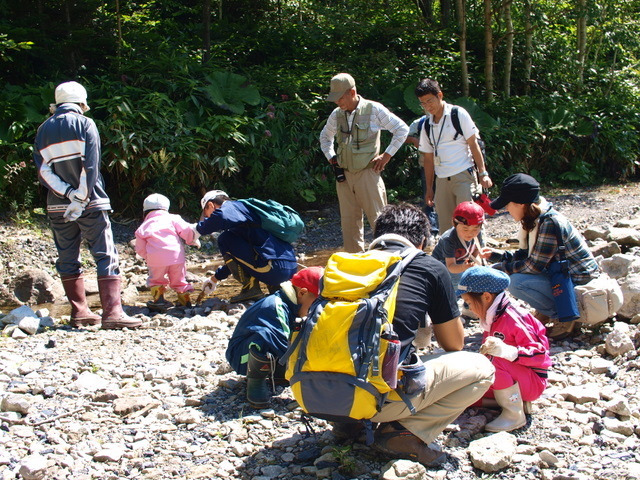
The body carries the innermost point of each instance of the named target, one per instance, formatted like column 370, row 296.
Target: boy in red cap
column 262, row 333
column 461, row 247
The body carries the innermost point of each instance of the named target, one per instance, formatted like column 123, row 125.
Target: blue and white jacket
column 67, row 157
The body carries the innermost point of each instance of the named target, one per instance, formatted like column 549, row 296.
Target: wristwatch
column 484, row 174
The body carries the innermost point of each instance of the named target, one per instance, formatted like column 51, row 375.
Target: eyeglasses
column 430, row 102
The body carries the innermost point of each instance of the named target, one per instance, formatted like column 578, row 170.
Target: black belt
column 470, row 170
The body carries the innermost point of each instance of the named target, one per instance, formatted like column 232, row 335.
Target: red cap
column 309, row 278
column 469, row 213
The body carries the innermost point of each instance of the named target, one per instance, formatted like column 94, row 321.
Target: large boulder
column 36, row 286
column 629, row 237
column 630, row 286
column 620, row 265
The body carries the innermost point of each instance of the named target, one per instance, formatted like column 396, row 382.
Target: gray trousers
column 95, row 228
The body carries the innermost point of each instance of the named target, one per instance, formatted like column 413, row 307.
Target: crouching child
column 514, row 341
column 262, row 334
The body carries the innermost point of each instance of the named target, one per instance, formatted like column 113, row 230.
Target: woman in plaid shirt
column 520, row 194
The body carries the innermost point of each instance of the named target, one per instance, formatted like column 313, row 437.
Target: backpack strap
column 380, row 295
column 455, row 121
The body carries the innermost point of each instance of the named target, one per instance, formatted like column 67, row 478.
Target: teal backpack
column 280, row 220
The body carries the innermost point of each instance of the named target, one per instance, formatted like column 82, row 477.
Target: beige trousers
column 451, row 191
column 362, row 191
column 454, row 381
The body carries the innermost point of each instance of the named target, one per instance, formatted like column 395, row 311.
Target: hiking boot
column 258, row 369
column 184, row 299
column 512, row 416
column 250, row 286
column 396, row 441
column 81, row 315
column 158, row 304
column 560, row 330
column 113, row 317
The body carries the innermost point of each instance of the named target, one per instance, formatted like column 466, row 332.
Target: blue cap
column 483, row 279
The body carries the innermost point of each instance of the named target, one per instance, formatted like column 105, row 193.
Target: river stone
column 493, row 452
column 16, row 403
column 630, row 286
column 17, row 314
column 403, row 469
column 629, row 237
column 618, row 341
column 620, row 265
column 33, row 467
column 36, row 286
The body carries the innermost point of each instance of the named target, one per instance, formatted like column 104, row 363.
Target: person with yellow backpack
column 354, row 358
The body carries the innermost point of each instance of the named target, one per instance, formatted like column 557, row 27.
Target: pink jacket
column 522, row 330
column 158, row 239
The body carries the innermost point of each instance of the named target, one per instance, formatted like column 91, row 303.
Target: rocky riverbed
column 161, row 402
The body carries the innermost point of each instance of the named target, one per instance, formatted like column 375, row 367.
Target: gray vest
column 359, row 145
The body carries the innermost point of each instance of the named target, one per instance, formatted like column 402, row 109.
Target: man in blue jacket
column 67, row 157
column 262, row 334
column 251, row 254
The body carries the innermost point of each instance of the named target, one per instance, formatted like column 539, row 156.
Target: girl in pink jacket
column 515, row 342
column 159, row 242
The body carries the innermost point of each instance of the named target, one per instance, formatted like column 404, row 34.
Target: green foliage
column 248, row 119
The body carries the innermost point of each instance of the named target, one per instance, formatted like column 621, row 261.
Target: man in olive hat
column 356, row 124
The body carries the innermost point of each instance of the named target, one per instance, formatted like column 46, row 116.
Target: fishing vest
column 357, row 145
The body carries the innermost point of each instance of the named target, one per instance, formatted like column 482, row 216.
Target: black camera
column 338, row 171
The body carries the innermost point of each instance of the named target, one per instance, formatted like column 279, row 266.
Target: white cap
column 156, row 201
column 210, row 195
column 71, row 92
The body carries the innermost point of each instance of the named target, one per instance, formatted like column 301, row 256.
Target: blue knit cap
column 483, row 279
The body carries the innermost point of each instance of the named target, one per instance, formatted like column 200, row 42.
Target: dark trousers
column 95, row 228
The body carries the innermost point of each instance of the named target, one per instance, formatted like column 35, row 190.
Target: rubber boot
column 184, row 299
column 81, row 316
column 527, row 407
column 512, row 415
column 113, row 317
column 158, row 304
column 250, row 286
column 258, row 369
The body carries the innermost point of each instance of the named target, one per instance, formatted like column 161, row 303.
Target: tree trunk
column 426, row 9
column 528, row 46
column 488, row 50
column 206, row 31
column 119, row 40
column 582, row 39
column 508, row 56
column 445, row 12
column 462, row 26
column 70, row 47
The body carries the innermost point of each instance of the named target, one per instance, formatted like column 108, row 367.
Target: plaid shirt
column 582, row 265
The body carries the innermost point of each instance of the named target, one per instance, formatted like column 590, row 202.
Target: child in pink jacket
column 515, row 342
column 159, row 242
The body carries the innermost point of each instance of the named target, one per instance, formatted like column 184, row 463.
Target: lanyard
column 434, row 143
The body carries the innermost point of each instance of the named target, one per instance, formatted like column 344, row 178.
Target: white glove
column 209, row 286
column 73, row 211
column 196, row 243
column 75, row 196
column 496, row 347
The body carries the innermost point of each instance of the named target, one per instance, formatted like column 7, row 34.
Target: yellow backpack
column 334, row 362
